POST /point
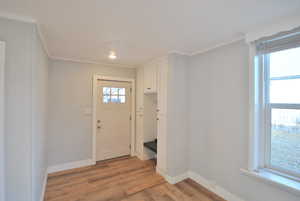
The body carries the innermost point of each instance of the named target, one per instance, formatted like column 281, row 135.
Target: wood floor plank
column 121, row 179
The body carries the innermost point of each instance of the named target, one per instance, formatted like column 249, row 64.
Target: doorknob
column 98, row 127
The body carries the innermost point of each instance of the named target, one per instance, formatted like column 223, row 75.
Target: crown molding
column 217, row 46
column 31, row 21
column 91, row 62
column 42, row 38
column 44, row 43
column 204, row 50
column 179, row 52
column 46, row 49
column 285, row 24
column 20, row 18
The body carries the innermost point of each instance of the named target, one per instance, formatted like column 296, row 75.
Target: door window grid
column 113, row 95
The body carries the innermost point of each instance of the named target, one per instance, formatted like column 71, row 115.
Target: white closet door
column 162, row 87
column 140, row 113
column 161, row 115
column 150, row 78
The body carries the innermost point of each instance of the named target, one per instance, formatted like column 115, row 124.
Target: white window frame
column 267, row 121
column 260, row 121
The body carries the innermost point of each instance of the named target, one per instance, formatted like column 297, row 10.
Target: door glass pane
column 114, row 91
column 285, row 91
column 285, row 139
column 285, row 63
column 106, row 90
column 122, row 99
column 121, row 91
column 114, row 99
column 106, row 99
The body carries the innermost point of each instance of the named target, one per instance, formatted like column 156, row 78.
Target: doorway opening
column 113, row 117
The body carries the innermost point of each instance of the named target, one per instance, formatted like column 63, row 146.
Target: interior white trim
column 2, row 110
column 96, row 77
column 170, row 179
column 254, row 111
column 45, row 46
column 281, row 182
column 20, row 18
column 91, row 62
column 209, row 185
column 42, row 198
column 213, row 187
column 217, row 46
column 271, row 29
column 179, row 52
column 42, row 38
column 71, row 165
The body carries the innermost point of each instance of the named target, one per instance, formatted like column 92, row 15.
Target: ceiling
column 140, row 30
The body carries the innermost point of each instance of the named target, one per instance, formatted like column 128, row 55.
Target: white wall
column 22, row 110
column 218, row 121
column 2, row 170
column 18, row 108
column 177, row 110
column 39, row 115
column 70, row 94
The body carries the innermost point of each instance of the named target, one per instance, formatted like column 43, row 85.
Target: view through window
column 284, row 110
column 113, row 95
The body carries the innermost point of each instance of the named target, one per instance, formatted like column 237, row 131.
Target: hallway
column 126, row 179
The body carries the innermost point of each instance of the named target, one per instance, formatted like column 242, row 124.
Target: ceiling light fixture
column 112, row 55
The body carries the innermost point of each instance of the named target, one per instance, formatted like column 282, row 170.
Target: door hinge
column 130, row 90
column 130, row 117
column 130, row 146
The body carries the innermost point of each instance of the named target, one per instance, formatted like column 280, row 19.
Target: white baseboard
column 209, row 185
column 71, row 165
column 139, row 155
column 170, row 179
column 44, row 187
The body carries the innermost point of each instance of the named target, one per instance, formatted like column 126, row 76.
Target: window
column 113, row 95
column 277, row 92
column 283, row 110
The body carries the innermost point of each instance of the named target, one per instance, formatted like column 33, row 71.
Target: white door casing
column 162, row 115
column 113, row 122
column 2, row 179
column 106, row 128
column 140, row 113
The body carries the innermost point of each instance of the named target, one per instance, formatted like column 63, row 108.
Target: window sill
column 276, row 180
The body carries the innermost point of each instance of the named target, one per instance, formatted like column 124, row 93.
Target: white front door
column 113, row 119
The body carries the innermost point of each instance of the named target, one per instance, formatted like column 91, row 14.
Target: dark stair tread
column 151, row 145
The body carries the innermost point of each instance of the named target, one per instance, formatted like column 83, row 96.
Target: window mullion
column 285, row 106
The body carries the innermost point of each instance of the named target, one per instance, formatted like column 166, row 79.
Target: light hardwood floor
column 122, row 179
